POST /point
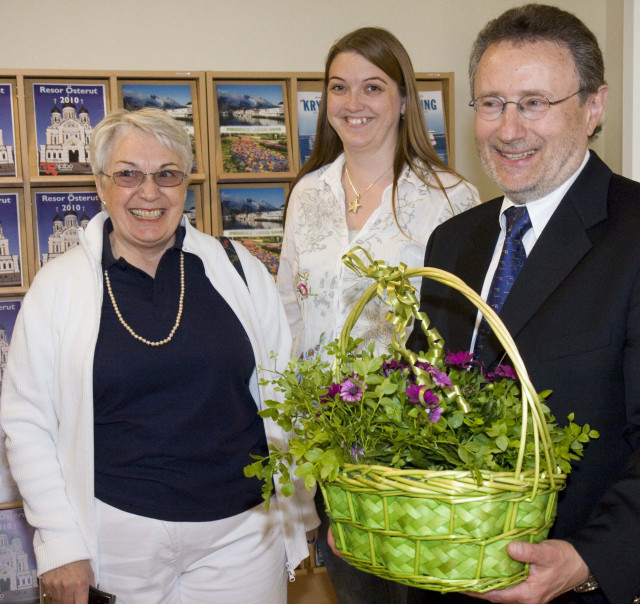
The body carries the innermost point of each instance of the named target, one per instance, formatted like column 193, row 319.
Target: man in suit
column 537, row 80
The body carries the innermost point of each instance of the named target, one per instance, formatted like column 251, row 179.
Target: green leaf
column 502, row 442
column 287, row 489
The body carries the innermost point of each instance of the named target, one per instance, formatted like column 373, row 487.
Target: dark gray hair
column 167, row 131
column 540, row 22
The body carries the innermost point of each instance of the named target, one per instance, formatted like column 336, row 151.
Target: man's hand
column 555, row 567
column 68, row 584
column 331, row 542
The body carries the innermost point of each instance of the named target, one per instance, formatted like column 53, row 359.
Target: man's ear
column 595, row 108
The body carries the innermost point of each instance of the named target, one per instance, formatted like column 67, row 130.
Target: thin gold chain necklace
column 129, row 328
column 354, row 205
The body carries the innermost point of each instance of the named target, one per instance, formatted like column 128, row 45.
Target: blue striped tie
column 512, row 259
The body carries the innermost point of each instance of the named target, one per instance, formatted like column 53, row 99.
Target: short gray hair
column 167, row 131
column 544, row 23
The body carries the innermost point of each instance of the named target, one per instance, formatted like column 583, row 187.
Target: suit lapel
column 561, row 246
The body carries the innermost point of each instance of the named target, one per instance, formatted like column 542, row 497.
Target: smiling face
column 528, row 159
column 363, row 104
column 146, row 217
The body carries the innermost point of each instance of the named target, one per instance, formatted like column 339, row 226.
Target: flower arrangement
column 428, row 462
column 363, row 408
column 431, row 411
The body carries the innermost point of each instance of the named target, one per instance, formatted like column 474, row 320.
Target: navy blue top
column 174, row 424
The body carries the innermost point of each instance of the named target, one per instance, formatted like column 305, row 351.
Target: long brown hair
column 385, row 51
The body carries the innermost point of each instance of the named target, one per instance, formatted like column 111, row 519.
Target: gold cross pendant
column 354, row 205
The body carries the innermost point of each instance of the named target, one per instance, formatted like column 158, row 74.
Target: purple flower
column 422, row 365
column 434, row 414
column 506, row 371
column 440, row 378
column 350, row 391
column 461, row 360
column 332, row 391
column 356, row 452
column 389, row 366
column 413, row 394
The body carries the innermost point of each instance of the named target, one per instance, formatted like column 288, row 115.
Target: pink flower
column 302, row 288
column 440, row 378
column 332, row 391
column 389, row 366
column 461, row 360
column 434, row 414
column 413, row 394
column 506, row 371
column 350, row 392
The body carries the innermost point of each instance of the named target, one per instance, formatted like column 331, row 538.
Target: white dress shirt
column 540, row 211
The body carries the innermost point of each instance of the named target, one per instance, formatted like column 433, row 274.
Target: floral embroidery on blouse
column 317, row 290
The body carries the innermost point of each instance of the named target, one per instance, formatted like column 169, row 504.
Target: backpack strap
column 233, row 256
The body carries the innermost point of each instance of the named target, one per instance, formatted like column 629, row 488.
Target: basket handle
column 392, row 286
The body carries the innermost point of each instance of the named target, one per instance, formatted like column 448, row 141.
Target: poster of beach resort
column 175, row 100
column 253, row 126
column 254, row 215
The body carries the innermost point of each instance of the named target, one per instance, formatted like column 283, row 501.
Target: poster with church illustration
column 8, row 314
column 7, row 136
column 59, row 217
column 65, row 115
column 10, row 257
column 18, row 576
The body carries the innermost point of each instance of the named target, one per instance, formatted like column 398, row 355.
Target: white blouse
column 317, row 289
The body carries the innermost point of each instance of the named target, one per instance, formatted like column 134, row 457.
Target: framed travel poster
column 192, row 205
column 8, row 313
column 64, row 115
column 59, row 217
column 308, row 107
column 254, row 215
column 433, row 107
column 8, row 153
column 179, row 100
column 252, row 123
column 10, row 247
column 18, row 574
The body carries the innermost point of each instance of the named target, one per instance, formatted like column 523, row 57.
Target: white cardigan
column 47, row 397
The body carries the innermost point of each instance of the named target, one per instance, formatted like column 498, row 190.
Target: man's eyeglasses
column 134, row 178
column 530, row 106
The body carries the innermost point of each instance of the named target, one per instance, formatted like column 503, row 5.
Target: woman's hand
column 312, row 535
column 68, row 584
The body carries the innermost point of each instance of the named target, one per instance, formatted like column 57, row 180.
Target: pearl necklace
column 354, row 205
column 128, row 327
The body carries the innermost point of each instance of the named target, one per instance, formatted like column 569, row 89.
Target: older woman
column 373, row 180
column 130, row 396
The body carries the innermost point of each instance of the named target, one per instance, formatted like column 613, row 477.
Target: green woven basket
column 440, row 530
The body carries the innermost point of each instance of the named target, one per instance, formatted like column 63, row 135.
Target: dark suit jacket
column 574, row 312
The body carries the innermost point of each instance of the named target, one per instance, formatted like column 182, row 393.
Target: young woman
column 373, row 180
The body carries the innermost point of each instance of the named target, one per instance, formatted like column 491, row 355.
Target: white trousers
column 237, row 560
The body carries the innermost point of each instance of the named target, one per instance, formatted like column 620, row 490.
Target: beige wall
column 283, row 35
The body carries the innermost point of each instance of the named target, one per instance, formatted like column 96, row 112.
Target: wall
column 631, row 90
column 290, row 35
